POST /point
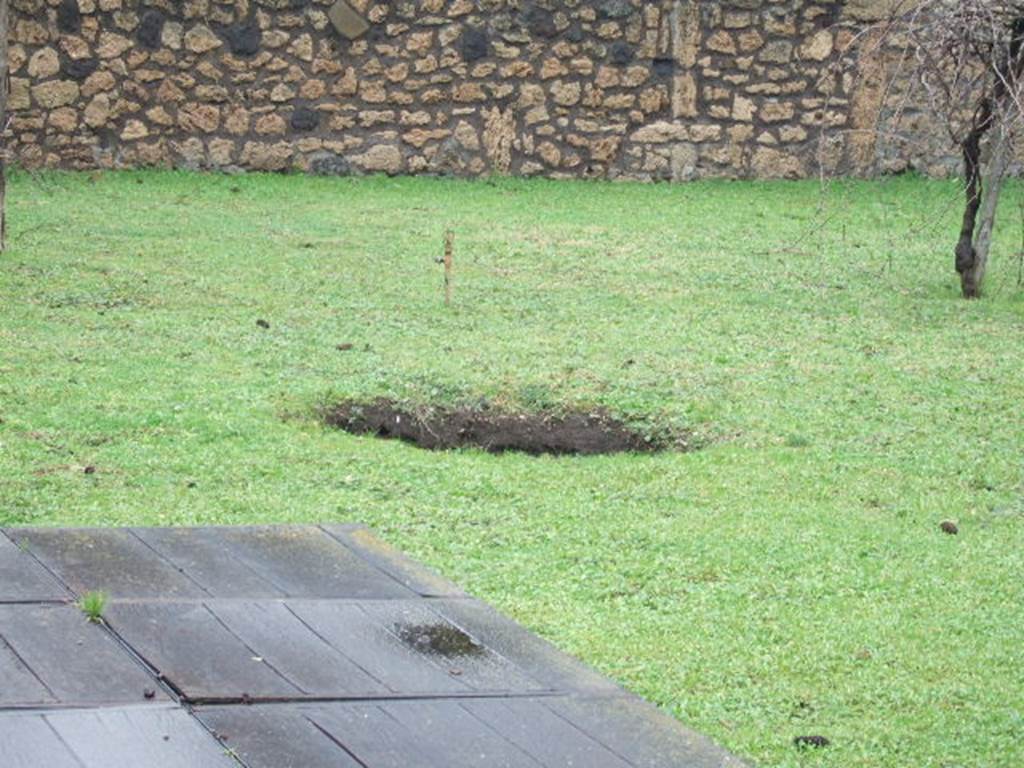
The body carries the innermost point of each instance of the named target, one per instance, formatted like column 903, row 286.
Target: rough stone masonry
column 662, row 89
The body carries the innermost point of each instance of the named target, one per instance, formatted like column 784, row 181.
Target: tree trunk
column 984, row 186
column 981, row 122
column 4, row 83
column 995, row 175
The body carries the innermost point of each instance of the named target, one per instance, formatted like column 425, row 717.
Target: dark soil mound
column 584, row 434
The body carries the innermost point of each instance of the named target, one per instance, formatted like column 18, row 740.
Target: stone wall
column 662, row 89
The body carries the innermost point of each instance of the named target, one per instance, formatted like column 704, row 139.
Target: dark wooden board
column 71, row 660
column 290, row 647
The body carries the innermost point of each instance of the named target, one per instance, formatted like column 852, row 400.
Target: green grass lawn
column 790, row 578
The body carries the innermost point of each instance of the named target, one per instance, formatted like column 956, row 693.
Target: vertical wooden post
column 4, row 83
column 449, row 243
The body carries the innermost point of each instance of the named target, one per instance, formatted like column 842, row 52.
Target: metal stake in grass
column 449, row 245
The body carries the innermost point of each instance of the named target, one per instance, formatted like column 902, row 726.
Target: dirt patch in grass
column 574, row 433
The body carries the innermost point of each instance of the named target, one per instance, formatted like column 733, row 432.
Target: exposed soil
column 495, row 431
column 811, row 742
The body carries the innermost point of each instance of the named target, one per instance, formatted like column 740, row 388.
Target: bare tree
column 4, row 82
column 963, row 62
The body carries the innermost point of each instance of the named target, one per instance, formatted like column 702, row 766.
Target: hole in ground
column 581, row 433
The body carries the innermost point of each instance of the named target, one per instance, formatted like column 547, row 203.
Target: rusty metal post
column 449, row 243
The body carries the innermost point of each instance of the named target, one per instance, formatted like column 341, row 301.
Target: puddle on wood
column 439, row 640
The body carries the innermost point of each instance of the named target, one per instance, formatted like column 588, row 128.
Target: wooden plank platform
column 303, row 646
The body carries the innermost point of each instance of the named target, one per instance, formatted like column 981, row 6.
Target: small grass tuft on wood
column 92, row 605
